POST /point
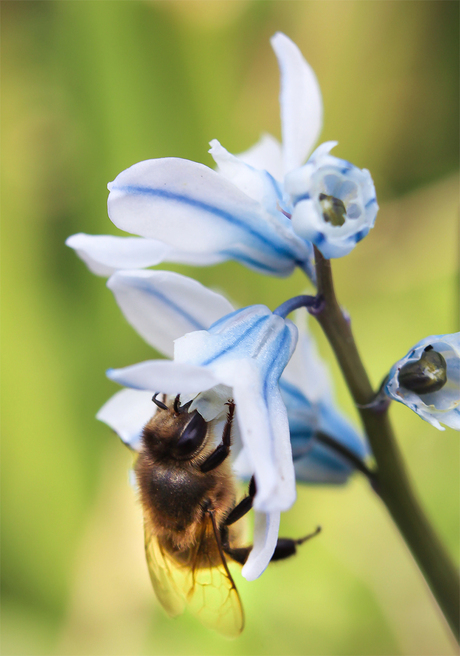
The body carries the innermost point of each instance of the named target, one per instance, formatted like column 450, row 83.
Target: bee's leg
column 285, row 548
column 221, row 452
column 244, row 506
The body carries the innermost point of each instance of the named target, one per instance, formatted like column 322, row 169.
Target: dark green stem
column 393, row 484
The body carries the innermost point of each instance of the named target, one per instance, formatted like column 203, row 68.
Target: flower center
column 333, row 208
column 427, row 375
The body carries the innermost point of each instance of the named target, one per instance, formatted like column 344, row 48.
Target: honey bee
column 188, row 495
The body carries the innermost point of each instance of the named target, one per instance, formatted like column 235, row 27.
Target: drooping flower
column 240, row 356
column 165, row 306
column 187, row 213
column 427, row 380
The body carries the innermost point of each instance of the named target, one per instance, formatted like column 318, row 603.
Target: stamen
column 427, row 375
column 334, row 209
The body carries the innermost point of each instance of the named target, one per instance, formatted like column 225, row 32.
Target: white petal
column 286, row 492
column 307, row 222
column 265, row 155
column 266, row 528
column 300, row 100
column 164, row 376
column 212, row 404
column 253, row 182
column 127, row 412
column 104, row 254
column 195, row 210
column 255, row 429
column 162, row 305
column 306, row 370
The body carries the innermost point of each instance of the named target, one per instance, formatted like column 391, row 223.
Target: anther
column 427, row 375
column 334, row 209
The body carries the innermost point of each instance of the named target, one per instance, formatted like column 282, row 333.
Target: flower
column 165, row 306
column 306, row 389
column 334, row 202
column 240, row 356
column 187, row 213
column 427, row 380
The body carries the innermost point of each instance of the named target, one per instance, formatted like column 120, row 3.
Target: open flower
column 187, row 213
column 334, row 202
column 427, row 380
column 240, row 356
column 165, row 306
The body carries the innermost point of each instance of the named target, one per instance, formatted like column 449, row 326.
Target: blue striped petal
column 194, row 209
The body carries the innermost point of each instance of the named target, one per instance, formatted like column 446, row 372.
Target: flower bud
column 427, row 380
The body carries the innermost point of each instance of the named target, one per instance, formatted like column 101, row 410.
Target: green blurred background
column 92, row 87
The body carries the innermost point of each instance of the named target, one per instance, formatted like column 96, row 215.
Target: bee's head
column 174, row 432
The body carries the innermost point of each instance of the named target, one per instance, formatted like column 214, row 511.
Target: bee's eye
column 192, row 437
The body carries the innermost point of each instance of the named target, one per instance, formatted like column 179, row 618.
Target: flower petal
column 195, row 210
column 307, row 392
column 306, row 370
column 247, row 351
column 335, row 204
column 104, row 254
column 266, row 528
column 300, row 100
column 164, row 376
column 162, row 305
column 126, row 413
column 265, row 155
column 256, row 183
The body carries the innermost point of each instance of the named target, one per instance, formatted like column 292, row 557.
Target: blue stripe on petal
column 273, row 371
column 205, row 207
column 234, row 344
column 257, row 264
column 144, row 286
column 360, row 235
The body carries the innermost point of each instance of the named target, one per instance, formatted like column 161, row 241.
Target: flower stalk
column 393, row 484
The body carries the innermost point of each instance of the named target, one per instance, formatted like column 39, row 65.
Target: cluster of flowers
column 266, row 209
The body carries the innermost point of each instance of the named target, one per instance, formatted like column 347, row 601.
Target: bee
column 188, row 495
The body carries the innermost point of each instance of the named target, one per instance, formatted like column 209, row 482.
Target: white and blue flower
column 427, row 380
column 334, row 202
column 187, row 213
column 240, row 356
column 220, row 354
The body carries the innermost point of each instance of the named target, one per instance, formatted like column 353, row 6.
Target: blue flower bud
column 427, row 380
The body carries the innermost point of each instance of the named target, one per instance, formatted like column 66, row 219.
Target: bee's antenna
column 158, row 403
column 178, row 408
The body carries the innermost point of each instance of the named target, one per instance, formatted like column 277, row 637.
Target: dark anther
column 334, row 209
column 428, row 348
column 160, row 404
column 427, row 375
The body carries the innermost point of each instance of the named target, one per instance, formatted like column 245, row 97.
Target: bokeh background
column 92, row 87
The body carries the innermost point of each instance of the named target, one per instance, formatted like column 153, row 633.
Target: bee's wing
column 165, row 576
column 208, row 591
